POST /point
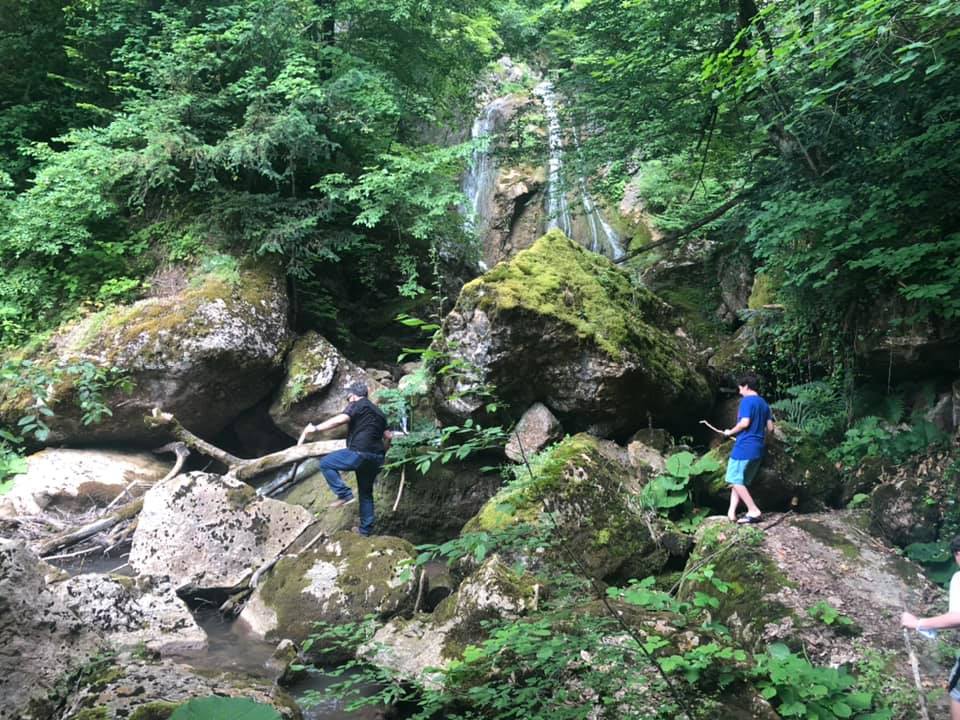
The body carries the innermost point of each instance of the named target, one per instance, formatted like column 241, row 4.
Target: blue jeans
column 366, row 466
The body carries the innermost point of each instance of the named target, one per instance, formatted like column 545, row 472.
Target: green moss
column 829, row 537
column 96, row 713
column 559, row 279
column 154, row 711
column 308, row 355
column 762, row 293
column 239, row 497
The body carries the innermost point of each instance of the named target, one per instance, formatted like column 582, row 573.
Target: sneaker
column 340, row 502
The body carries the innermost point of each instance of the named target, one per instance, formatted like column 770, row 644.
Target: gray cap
column 357, row 388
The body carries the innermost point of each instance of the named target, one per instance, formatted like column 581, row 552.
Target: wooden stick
column 403, row 477
column 915, row 666
column 82, row 533
column 416, row 605
column 715, row 429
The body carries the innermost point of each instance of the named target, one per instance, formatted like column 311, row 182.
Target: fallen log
column 71, row 537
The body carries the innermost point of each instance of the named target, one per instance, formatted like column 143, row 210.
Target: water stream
column 478, row 182
column 601, row 237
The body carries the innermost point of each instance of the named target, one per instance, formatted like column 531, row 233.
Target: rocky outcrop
column 516, row 212
column 128, row 689
column 410, row 648
column 315, row 386
column 76, row 481
column 814, row 581
column 563, row 326
column 342, row 580
column 206, row 532
column 127, row 613
column 536, row 429
column 591, row 494
column 41, row 638
column 203, row 354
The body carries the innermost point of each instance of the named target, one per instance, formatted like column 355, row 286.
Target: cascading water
column 478, row 181
column 603, row 238
column 558, row 211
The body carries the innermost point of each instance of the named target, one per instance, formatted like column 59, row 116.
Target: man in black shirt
column 363, row 454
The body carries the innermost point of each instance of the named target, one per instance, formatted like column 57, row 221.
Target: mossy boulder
column 412, row 647
column 315, row 384
column 816, row 582
column 205, row 532
column 591, row 492
column 566, row 327
column 340, row 580
column 71, row 481
column 204, row 354
column 797, row 477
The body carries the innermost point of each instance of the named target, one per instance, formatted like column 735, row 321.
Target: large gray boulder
column 315, row 384
column 564, row 326
column 536, row 429
column 76, row 481
column 42, row 639
column 133, row 614
column 206, row 532
column 818, row 582
column 411, row 647
column 592, row 492
column 340, row 580
column 204, row 354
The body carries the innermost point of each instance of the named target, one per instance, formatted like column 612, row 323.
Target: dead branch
column 57, row 542
column 241, row 468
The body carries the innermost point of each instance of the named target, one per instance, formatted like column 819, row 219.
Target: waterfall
column 478, row 182
column 558, row 211
column 602, row 237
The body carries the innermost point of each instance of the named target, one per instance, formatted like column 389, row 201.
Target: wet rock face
column 315, row 386
column 563, row 326
column 411, row 647
column 341, row 580
column 206, row 532
column 204, row 354
column 129, row 614
column 590, row 492
column 40, row 636
column 779, row 575
column 74, row 481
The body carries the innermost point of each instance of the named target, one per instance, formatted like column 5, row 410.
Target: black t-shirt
column 367, row 423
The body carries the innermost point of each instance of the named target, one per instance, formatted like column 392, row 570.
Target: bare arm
column 328, row 424
column 743, row 424
column 937, row 622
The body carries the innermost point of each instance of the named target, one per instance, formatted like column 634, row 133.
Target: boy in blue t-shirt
column 754, row 421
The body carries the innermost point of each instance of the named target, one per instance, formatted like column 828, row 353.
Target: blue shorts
column 742, row 472
column 952, row 681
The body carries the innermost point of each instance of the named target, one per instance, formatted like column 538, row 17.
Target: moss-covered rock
column 591, row 496
column 315, row 385
column 782, row 576
column 341, row 580
column 411, row 647
column 204, row 354
column 564, row 326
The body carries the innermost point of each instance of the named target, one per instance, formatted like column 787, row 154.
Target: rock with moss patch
column 341, row 580
column 816, row 582
column 790, row 477
column 566, row 327
column 133, row 614
column 75, row 481
column 208, row 532
column 42, row 638
column 410, row 648
column 905, row 509
column 130, row 689
column 591, row 493
column 315, row 386
column 204, row 354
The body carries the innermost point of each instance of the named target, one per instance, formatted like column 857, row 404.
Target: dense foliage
column 828, row 131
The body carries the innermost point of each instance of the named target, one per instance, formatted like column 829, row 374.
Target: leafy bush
column 224, row 708
column 671, row 488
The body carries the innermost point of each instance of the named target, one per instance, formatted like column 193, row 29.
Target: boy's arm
column 937, row 622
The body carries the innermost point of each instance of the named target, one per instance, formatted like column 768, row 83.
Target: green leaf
column 224, row 708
